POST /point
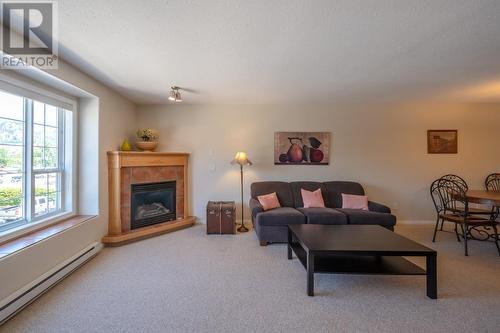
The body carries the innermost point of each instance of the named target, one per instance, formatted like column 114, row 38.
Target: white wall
column 383, row 147
column 116, row 120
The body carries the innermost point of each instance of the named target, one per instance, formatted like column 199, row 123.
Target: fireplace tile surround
column 141, row 175
column 127, row 168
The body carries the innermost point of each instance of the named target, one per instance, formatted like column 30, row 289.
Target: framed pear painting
column 301, row 148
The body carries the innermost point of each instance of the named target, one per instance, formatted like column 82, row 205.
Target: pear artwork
column 300, row 149
column 295, row 152
column 315, row 154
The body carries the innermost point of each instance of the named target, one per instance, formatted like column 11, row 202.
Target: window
column 35, row 150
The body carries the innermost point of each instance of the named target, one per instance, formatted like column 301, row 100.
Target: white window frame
column 31, row 173
column 67, row 157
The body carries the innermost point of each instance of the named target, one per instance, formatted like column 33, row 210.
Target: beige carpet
column 190, row 282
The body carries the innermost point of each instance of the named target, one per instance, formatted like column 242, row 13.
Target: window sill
column 30, row 238
column 27, row 228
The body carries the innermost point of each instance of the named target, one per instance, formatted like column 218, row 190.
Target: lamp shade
column 241, row 158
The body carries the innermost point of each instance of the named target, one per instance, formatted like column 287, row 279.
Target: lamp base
column 242, row 228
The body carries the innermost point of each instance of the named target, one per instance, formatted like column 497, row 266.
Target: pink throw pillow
column 352, row 201
column 269, row 201
column 312, row 199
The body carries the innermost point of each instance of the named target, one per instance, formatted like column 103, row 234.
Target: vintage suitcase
column 221, row 217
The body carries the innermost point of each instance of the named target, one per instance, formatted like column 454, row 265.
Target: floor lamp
column 241, row 159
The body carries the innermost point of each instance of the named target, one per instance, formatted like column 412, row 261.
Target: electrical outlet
column 212, row 167
column 395, row 205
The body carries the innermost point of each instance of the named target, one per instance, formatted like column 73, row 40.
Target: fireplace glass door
column 152, row 203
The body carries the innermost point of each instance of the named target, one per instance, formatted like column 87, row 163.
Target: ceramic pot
column 146, row 145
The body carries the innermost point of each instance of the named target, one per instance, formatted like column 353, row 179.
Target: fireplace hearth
column 152, row 203
column 148, row 195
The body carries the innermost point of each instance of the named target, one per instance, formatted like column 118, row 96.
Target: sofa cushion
column 269, row 201
column 318, row 215
column 335, row 189
column 312, row 198
column 283, row 191
column 308, row 186
column 280, row 216
column 353, row 201
column 358, row 216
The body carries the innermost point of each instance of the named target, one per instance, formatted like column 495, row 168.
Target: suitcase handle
column 220, row 218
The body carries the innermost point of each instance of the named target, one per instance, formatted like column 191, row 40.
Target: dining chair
column 492, row 183
column 459, row 181
column 440, row 209
column 456, row 209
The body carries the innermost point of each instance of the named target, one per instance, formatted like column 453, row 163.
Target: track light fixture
column 175, row 95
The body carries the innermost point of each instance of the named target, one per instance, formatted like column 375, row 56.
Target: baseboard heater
column 23, row 297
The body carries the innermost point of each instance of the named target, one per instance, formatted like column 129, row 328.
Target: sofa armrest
column 255, row 207
column 377, row 207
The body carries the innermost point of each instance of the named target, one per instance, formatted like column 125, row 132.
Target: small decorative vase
column 146, row 145
column 125, row 146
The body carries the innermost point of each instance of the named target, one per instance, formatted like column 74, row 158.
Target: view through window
column 32, row 170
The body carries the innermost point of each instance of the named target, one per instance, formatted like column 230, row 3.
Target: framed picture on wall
column 442, row 141
column 301, row 148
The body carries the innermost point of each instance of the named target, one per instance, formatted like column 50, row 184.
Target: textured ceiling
column 285, row 51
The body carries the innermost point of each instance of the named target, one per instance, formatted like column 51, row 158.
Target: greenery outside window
column 34, row 174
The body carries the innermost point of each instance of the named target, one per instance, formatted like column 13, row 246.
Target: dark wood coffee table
column 358, row 249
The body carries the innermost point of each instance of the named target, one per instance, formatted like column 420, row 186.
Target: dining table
column 484, row 197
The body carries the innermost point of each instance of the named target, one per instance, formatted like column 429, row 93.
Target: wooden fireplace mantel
column 145, row 167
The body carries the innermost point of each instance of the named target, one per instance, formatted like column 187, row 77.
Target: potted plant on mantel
column 147, row 139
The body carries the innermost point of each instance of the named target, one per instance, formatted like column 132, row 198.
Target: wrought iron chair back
column 492, row 182
column 436, row 197
column 458, row 180
column 453, row 197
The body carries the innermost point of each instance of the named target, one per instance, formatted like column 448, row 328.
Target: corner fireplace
column 152, row 203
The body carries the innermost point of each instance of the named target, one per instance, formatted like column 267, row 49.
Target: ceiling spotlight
column 175, row 95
